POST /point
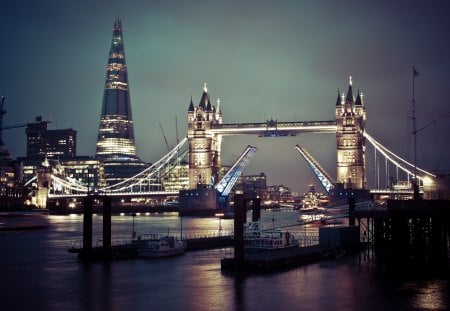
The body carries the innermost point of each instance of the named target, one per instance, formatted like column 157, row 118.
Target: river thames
column 38, row 273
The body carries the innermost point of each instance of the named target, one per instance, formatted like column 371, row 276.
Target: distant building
column 253, row 185
column 42, row 142
column 84, row 170
column 115, row 142
column 278, row 193
column 35, row 172
column 176, row 178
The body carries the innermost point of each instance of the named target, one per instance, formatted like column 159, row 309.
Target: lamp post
column 220, row 215
column 133, row 234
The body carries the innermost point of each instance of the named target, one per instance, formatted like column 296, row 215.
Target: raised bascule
column 206, row 131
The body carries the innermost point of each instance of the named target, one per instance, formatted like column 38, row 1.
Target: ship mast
column 415, row 184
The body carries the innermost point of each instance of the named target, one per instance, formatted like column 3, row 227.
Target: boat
column 317, row 218
column 258, row 240
column 164, row 247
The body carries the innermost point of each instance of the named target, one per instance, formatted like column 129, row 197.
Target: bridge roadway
column 275, row 128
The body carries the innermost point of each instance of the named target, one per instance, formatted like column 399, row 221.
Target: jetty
column 128, row 248
column 333, row 242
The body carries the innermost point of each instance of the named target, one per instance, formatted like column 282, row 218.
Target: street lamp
column 220, row 215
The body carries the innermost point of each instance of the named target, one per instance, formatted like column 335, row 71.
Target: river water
column 37, row 273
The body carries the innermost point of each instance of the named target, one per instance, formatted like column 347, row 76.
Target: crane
column 164, row 135
column 13, row 126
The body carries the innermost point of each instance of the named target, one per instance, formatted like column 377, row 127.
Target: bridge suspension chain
column 395, row 159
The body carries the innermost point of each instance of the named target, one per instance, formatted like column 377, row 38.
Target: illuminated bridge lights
column 396, row 160
column 279, row 129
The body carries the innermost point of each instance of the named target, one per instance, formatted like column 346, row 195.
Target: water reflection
column 39, row 274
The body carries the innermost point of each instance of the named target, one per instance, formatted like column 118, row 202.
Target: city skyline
column 264, row 59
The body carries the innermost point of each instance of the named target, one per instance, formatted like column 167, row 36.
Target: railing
column 124, row 241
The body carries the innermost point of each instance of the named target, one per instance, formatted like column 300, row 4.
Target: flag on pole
column 415, row 72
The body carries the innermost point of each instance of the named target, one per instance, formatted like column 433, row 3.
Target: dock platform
column 129, row 249
column 279, row 259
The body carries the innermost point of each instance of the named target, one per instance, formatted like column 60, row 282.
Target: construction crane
column 176, row 128
column 164, row 135
column 8, row 127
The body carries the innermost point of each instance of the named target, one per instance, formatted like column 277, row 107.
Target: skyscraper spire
column 115, row 142
column 116, row 134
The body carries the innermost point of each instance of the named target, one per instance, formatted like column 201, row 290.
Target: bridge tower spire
column 351, row 122
column 204, row 147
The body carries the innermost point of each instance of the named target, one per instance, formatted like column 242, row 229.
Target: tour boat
column 164, row 247
column 257, row 240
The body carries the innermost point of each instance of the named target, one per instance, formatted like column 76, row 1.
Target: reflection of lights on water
column 431, row 296
column 146, row 214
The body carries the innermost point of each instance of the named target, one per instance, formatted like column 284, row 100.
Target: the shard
column 115, row 142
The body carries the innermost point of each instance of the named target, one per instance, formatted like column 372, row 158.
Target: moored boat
column 164, row 247
column 258, row 240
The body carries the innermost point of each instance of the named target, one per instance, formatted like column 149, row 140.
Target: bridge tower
column 204, row 147
column 351, row 146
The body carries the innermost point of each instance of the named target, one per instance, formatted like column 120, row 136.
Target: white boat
column 257, row 240
column 164, row 247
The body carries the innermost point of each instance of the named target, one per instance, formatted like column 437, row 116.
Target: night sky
column 284, row 60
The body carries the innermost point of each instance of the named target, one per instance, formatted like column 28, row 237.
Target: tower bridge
column 125, row 175
column 203, row 146
column 206, row 130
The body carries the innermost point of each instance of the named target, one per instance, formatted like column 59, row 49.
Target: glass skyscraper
column 115, row 142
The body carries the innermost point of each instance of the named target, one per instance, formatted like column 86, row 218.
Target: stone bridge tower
column 204, row 147
column 351, row 145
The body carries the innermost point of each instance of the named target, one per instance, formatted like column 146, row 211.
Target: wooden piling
column 240, row 215
column 106, row 226
column 87, row 225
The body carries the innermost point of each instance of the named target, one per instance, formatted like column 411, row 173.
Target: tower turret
column 350, row 141
column 204, row 148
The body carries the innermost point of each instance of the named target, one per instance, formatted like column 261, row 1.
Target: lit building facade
column 253, row 185
column 83, row 169
column 115, row 142
column 176, row 178
column 351, row 146
column 42, row 142
column 204, row 147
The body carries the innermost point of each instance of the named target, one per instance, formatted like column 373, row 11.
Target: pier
column 128, row 248
column 407, row 234
column 332, row 242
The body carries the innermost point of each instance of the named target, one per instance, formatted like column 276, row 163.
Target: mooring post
column 106, row 227
column 256, row 209
column 351, row 211
column 240, row 215
column 87, row 225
